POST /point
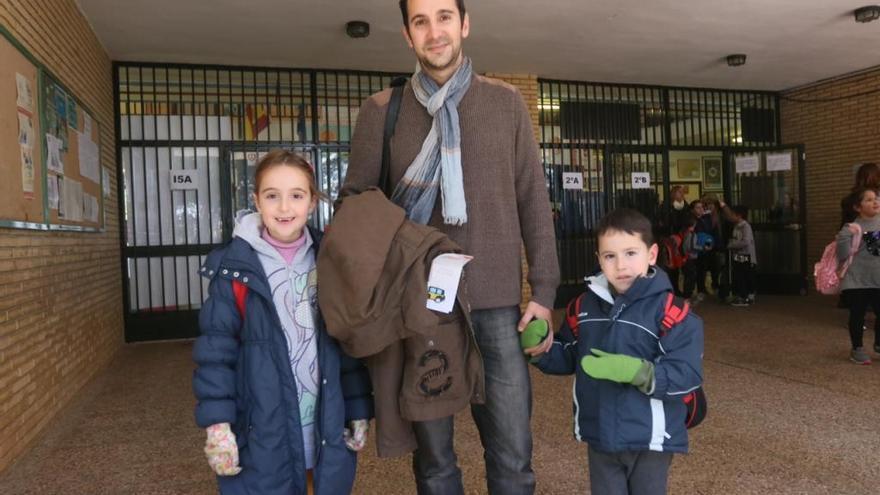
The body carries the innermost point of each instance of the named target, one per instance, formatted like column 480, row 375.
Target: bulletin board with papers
column 50, row 171
column 73, row 167
column 21, row 168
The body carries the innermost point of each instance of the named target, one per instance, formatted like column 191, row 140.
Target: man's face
column 434, row 31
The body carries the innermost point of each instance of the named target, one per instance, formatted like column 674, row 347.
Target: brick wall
column 528, row 86
column 60, row 293
column 837, row 135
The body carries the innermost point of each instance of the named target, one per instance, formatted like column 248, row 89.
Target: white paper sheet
column 53, row 146
column 747, row 164
column 25, row 130
column 27, row 172
column 25, row 97
column 778, row 162
column 89, row 161
column 443, row 281
column 52, row 188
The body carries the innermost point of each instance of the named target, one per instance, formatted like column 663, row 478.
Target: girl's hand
column 222, row 450
column 355, row 435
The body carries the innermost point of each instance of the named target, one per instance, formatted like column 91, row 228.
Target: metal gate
column 775, row 195
column 607, row 132
column 188, row 140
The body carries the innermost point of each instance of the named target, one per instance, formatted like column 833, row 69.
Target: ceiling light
column 736, row 59
column 867, row 13
column 357, row 29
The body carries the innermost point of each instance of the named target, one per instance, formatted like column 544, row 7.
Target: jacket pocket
column 435, row 381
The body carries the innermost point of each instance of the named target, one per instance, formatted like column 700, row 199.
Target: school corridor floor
column 788, row 414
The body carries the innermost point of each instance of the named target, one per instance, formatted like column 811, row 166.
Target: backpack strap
column 240, row 291
column 397, row 85
column 674, row 312
column 572, row 310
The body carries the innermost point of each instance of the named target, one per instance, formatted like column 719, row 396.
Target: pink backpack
column 828, row 272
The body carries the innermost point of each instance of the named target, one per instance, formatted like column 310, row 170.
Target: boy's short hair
column 627, row 220
column 741, row 211
column 693, row 204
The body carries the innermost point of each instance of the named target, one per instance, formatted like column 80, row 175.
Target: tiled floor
column 788, row 414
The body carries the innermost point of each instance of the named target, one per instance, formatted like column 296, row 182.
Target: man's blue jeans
column 503, row 421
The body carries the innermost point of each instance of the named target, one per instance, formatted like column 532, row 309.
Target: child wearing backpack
column 284, row 409
column 631, row 370
column 742, row 254
column 861, row 283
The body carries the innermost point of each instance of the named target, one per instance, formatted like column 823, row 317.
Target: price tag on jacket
column 443, row 281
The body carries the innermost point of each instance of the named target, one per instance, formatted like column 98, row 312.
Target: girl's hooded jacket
column 244, row 377
column 614, row 417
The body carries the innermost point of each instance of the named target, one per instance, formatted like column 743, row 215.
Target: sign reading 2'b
column 641, row 180
column 184, row 179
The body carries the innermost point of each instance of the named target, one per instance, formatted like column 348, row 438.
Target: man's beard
column 454, row 59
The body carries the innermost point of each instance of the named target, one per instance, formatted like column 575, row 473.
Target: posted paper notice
column 443, row 281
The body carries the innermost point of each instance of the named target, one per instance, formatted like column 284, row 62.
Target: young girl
column 861, row 284
column 274, row 390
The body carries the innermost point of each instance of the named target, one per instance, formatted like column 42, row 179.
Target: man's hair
column 627, row 220
column 404, row 11
column 741, row 211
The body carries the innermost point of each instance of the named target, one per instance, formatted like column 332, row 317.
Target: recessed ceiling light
column 736, row 59
column 867, row 13
column 357, row 29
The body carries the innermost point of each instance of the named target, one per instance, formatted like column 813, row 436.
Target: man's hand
column 222, row 450
column 535, row 310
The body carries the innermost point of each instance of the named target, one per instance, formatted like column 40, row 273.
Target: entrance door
column 775, row 194
column 173, row 218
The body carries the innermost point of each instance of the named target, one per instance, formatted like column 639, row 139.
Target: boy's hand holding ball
column 535, row 333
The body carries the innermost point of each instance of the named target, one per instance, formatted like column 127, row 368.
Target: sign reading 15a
column 184, row 179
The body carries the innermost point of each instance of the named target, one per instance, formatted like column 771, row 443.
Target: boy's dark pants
column 743, row 276
column 689, row 270
column 642, row 472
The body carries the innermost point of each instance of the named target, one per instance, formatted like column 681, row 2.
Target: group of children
column 697, row 247
column 285, row 410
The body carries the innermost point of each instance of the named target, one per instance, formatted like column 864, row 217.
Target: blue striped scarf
column 439, row 161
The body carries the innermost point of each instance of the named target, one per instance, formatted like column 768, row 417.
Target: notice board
column 73, row 168
column 21, row 172
column 50, row 172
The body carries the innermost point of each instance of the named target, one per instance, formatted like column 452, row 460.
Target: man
column 464, row 160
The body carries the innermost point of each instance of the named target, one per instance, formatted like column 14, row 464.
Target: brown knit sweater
column 507, row 201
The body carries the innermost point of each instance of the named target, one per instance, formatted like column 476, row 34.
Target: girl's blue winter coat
column 243, row 378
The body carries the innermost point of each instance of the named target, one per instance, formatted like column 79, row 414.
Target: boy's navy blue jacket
column 614, row 417
column 244, row 378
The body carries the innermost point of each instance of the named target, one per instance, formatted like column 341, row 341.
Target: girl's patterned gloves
column 355, row 435
column 221, row 450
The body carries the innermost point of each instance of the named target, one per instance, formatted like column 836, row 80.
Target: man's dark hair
column 741, row 211
column 627, row 220
column 404, row 11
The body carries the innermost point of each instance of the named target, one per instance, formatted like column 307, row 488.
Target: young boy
column 742, row 251
column 630, row 375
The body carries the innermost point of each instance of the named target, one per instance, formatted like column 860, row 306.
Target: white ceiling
column 671, row 42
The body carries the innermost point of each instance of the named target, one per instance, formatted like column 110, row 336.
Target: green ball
column 534, row 333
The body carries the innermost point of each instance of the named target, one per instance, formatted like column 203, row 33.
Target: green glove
column 534, row 333
column 618, row 368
